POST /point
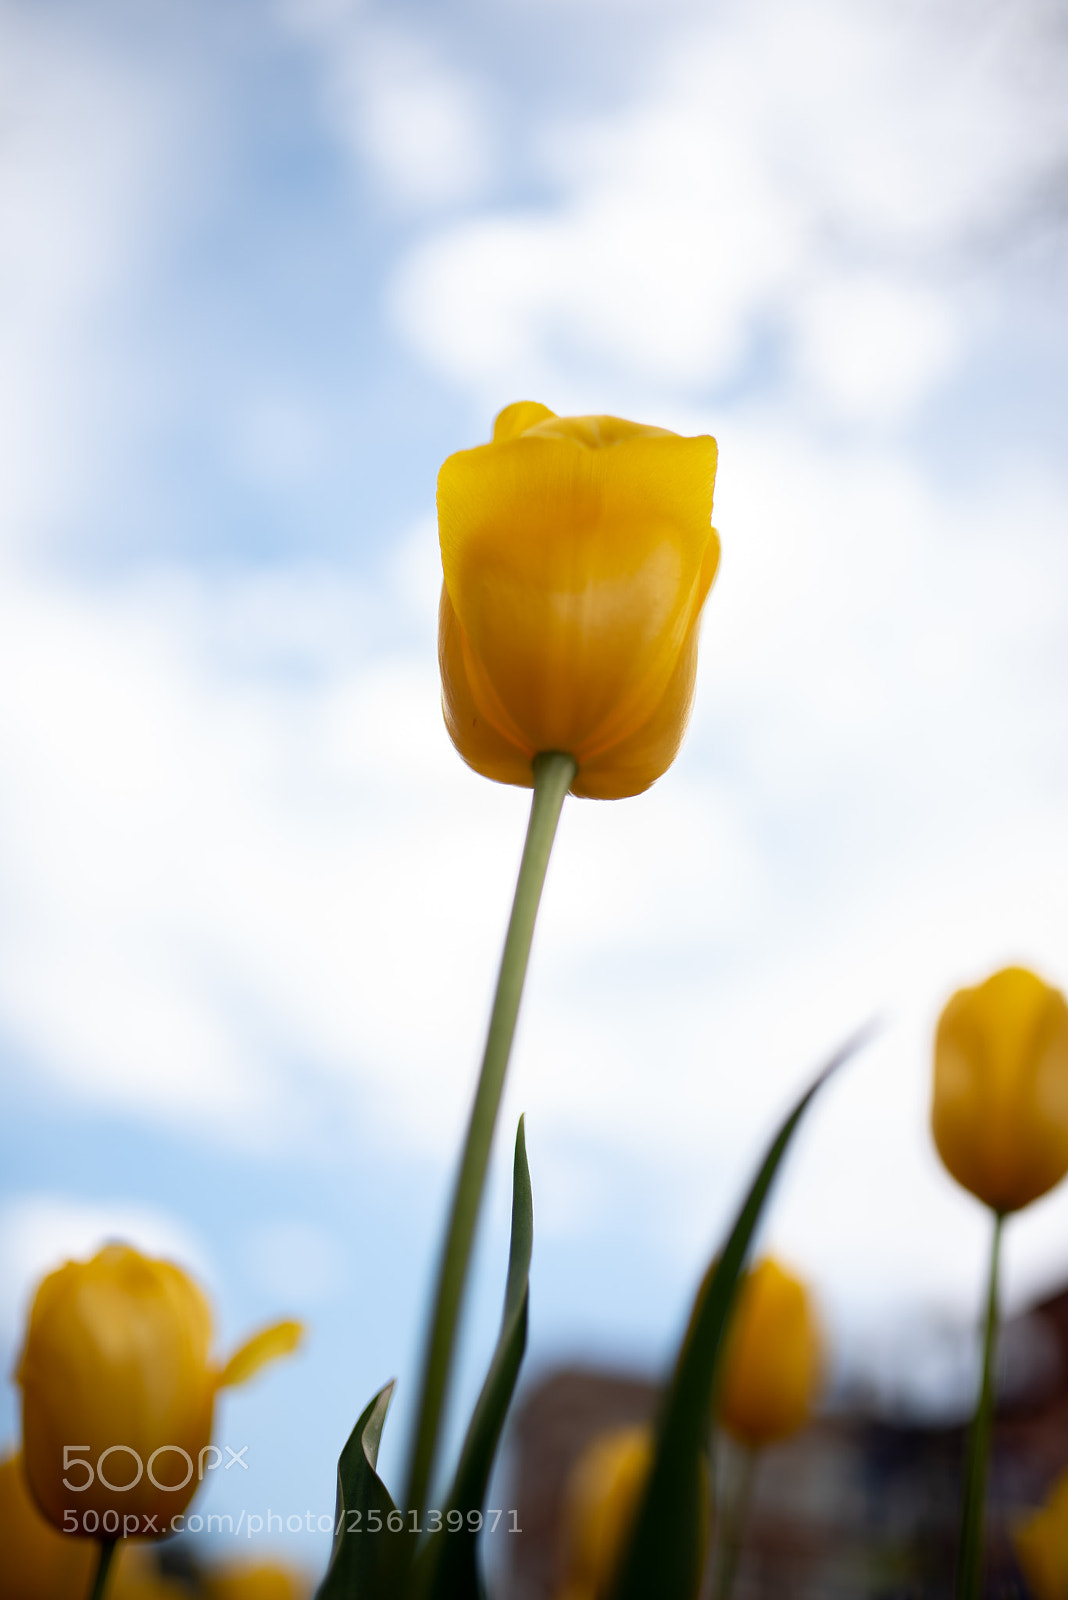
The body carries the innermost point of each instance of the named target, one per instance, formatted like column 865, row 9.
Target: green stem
column 734, row 1511
column 103, row 1567
column 970, row 1556
column 553, row 776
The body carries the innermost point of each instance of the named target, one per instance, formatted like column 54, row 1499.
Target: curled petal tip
column 270, row 1344
column 517, row 418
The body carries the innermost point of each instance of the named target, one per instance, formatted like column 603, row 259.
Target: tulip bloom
column 773, row 1360
column 600, row 1500
column 1042, row 1545
column 577, row 553
column 118, row 1389
column 259, row 1580
column 40, row 1564
column 999, row 1116
column 1000, row 1107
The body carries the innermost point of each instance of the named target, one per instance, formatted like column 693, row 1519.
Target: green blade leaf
column 664, row 1553
column 451, row 1568
column 365, row 1554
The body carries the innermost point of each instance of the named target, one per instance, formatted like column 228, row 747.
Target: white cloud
column 783, row 173
column 873, row 349
column 225, row 821
column 278, row 441
column 409, row 119
column 420, row 129
column 87, row 176
column 39, row 1232
column 296, row 1264
column 313, row 17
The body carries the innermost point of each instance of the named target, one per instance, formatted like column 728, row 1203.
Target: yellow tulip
column 600, row 1499
column 577, row 553
column 37, row 1563
column 773, row 1361
column 262, row 1580
column 118, row 1391
column 1042, row 1545
column 1000, row 1108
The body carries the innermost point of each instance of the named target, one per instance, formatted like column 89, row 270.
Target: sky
column 262, row 267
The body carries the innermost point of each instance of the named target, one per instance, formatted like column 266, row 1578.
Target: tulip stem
column 103, row 1567
column 734, row 1511
column 553, row 776
column 970, row 1556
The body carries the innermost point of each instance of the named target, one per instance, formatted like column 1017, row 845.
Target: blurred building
column 857, row 1505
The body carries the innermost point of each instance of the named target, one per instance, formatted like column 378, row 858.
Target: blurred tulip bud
column 1000, row 1107
column 37, row 1563
column 260, row 1580
column 578, row 552
column 118, row 1391
column 773, row 1361
column 1042, row 1545
column 600, row 1499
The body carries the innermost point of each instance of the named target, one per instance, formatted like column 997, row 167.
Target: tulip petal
column 281, row 1339
column 117, row 1358
column 517, row 418
column 630, row 766
column 772, row 1362
column 576, row 571
column 1000, row 1104
column 477, row 739
column 600, row 1497
column 39, row 1561
column 1041, row 1543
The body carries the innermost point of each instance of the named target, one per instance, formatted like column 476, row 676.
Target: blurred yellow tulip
column 257, row 1580
column 1000, row 1107
column 577, row 553
column 600, row 1499
column 1042, row 1545
column 118, row 1391
column 773, row 1360
column 37, row 1563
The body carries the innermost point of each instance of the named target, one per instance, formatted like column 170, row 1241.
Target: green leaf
column 366, row 1552
column 448, row 1564
column 665, row 1551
